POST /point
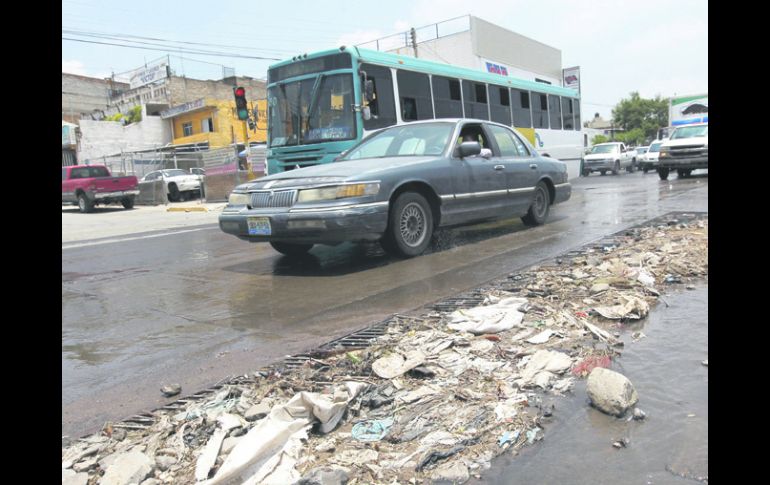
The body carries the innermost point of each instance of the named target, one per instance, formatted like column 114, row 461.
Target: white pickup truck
column 606, row 157
column 686, row 150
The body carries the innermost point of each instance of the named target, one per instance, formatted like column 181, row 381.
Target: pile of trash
column 436, row 398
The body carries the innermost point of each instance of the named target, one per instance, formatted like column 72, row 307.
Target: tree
column 633, row 137
column 646, row 115
column 599, row 139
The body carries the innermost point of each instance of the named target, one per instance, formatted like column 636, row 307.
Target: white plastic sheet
column 495, row 318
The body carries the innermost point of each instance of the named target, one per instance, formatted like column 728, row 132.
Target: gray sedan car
column 397, row 186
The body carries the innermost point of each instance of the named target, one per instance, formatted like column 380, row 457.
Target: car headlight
column 238, row 199
column 338, row 192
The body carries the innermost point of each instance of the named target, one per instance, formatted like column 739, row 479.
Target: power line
column 176, row 49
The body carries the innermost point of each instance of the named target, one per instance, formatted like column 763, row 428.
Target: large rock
column 69, row 477
column 325, row 476
column 610, row 392
column 455, row 472
column 131, row 467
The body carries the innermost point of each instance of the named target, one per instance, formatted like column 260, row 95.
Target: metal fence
column 424, row 33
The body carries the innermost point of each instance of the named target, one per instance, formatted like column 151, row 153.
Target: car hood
column 365, row 169
column 599, row 156
column 696, row 140
column 183, row 178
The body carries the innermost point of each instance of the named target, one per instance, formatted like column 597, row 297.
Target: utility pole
column 413, row 35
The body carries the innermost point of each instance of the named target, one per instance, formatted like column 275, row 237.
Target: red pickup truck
column 89, row 185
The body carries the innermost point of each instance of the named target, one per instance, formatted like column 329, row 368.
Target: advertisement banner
column 689, row 109
column 147, row 75
column 571, row 78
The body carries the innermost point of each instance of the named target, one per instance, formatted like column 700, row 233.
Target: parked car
column 687, row 149
column 650, row 159
column 397, row 186
column 640, row 151
column 605, row 157
column 90, row 185
column 180, row 185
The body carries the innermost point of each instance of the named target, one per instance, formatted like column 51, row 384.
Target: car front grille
column 688, row 151
column 278, row 198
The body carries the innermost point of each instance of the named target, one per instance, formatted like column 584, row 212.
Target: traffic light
column 241, row 107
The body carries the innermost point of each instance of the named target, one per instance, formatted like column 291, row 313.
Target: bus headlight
column 238, row 199
column 338, row 192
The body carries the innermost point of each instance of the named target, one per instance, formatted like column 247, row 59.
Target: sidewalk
column 114, row 220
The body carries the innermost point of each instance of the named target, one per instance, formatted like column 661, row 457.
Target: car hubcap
column 82, row 203
column 412, row 225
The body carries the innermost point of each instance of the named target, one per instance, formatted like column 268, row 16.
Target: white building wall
column 105, row 138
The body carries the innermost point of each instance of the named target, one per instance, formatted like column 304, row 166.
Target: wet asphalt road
column 197, row 306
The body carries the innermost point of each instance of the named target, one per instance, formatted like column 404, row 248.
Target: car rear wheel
column 128, row 202
column 586, row 173
column 410, row 226
column 291, row 249
column 84, row 204
column 663, row 173
column 541, row 205
column 603, row 172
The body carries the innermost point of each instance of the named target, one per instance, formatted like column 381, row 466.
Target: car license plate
column 259, row 226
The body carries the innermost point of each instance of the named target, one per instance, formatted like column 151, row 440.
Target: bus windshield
column 313, row 110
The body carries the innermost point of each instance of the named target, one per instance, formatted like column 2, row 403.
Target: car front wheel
column 410, row 226
column 616, row 169
column 663, row 173
column 541, row 205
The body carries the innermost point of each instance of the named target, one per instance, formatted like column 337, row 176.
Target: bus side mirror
column 366, row 113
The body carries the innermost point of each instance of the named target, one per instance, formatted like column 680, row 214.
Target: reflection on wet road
column 198, row 306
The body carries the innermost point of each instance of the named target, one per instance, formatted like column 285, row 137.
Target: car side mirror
column 469, row 148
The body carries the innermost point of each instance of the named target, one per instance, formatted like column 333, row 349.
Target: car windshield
column 655, row 147
column 690, row 132
column 604, row 149
column 404, row 141
column 174, row 173
column 641, row 150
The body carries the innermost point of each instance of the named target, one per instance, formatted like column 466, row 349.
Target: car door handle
column 499, row 167
column 533, row 166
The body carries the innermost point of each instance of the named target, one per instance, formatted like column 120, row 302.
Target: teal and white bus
column 321, row 104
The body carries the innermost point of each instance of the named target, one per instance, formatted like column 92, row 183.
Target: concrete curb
column 186, row 209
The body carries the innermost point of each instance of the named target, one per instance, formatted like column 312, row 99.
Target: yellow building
column 214, row 121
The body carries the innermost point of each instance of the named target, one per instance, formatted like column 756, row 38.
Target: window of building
column 554, row 111
column 475, row 95
column 383, row 107
column 414, row 91
column 540, row 110
column 187, row 128
column 522, row 117
column 500, row 105
column 566, row 110
column 207, row 125
column 446, row 97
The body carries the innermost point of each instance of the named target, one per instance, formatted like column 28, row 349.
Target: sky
column 655, row 47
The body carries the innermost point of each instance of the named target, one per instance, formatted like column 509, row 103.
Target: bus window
column 522, row 117
column 382, row 106
column 475, row 95
column 540, row 110
column 414, row 91
column 500, row 104
column 554, row 111
column 446, row 97
column 576, row 109
column 566, row 110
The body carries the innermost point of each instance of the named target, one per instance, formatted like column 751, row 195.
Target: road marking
column 134, row 238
